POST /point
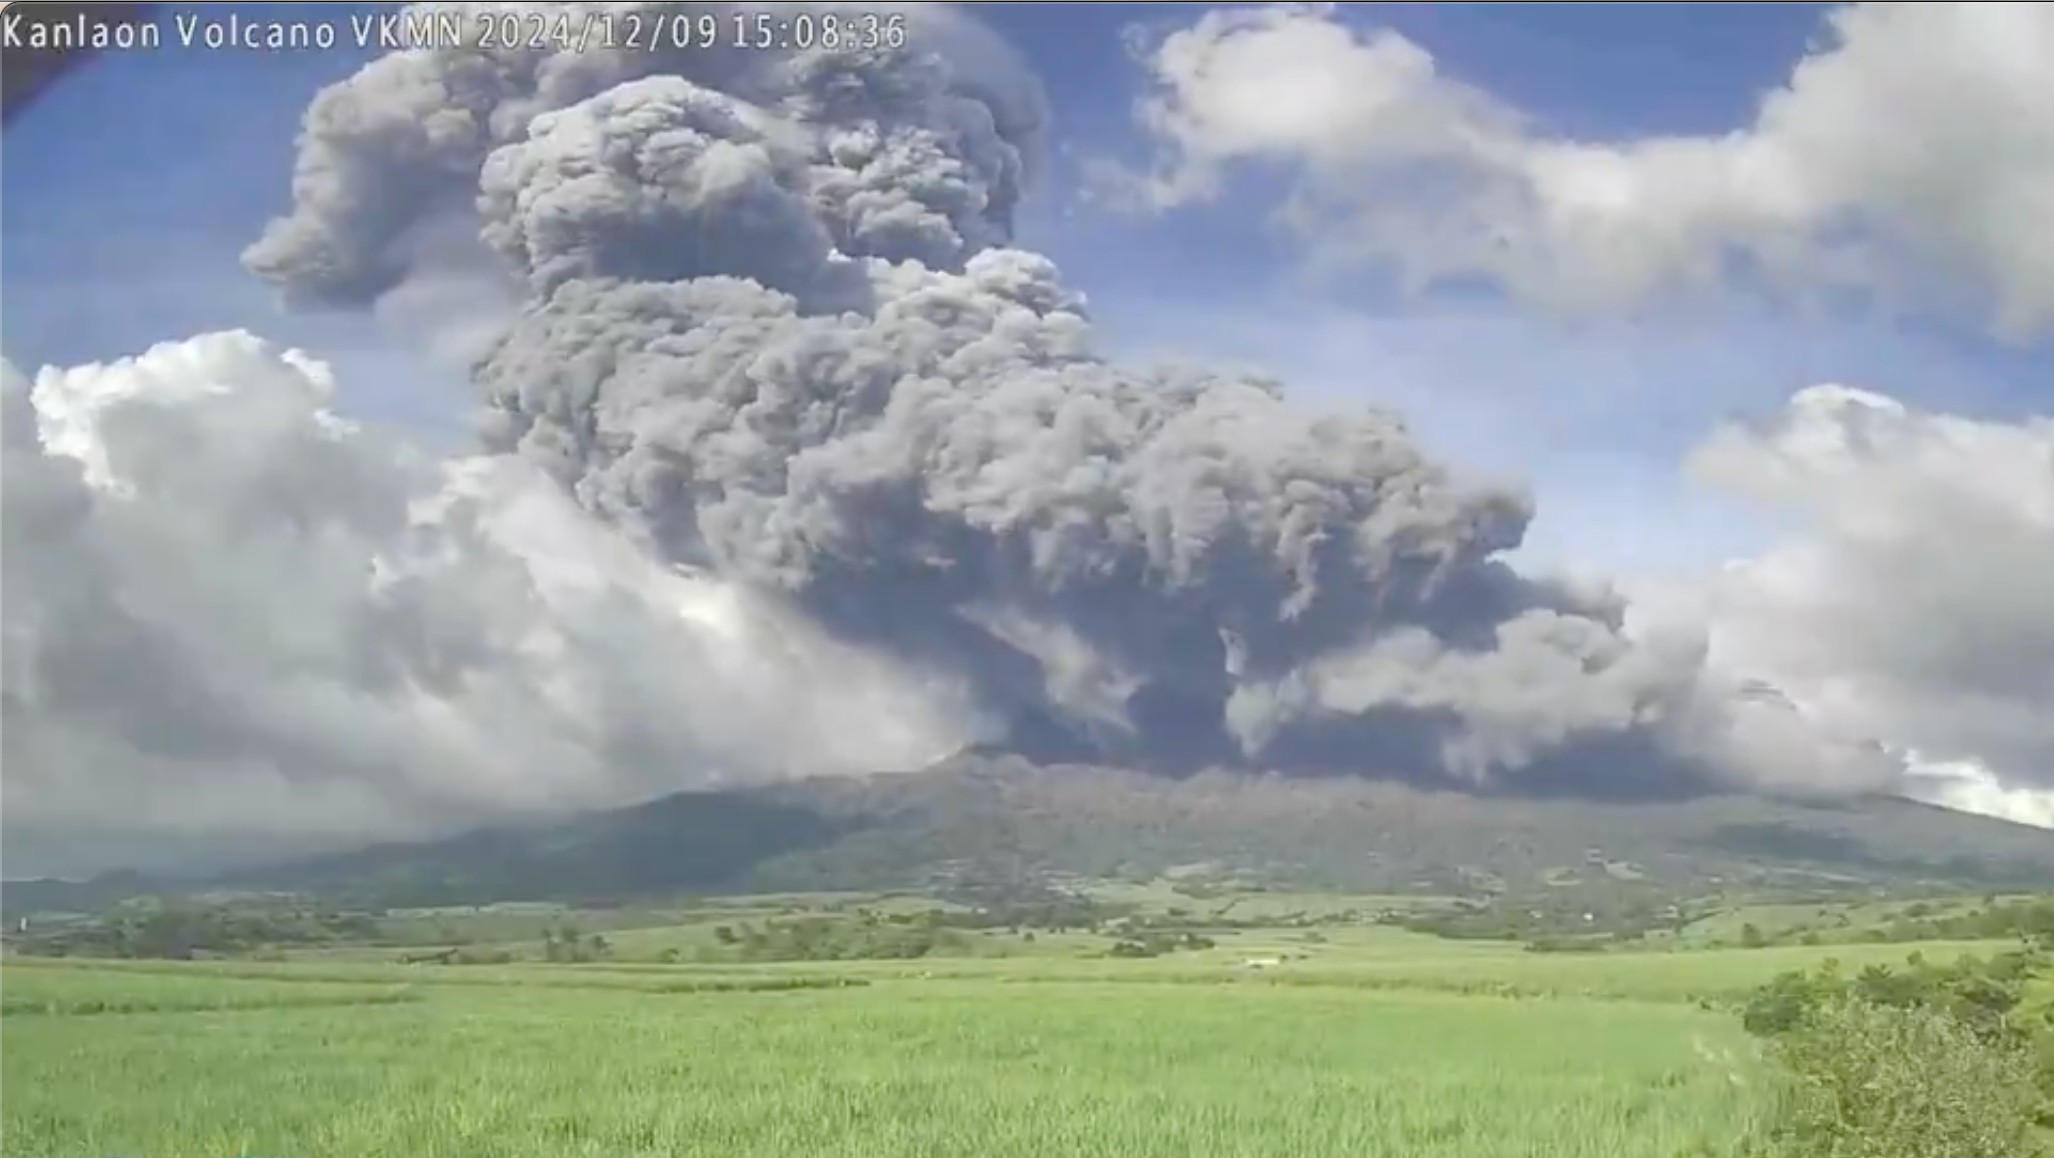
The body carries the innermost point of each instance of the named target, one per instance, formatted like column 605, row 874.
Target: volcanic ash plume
column 771, row 325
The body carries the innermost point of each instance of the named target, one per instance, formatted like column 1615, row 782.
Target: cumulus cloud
column 1914, row 598
column 1910, row 155
column 230, row 614
column 791, row 464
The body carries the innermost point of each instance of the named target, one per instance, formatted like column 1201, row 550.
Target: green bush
column 1924, row 1061
column 1983, row 995
column 1869, row 1080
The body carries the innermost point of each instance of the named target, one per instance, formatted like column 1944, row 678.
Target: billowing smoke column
column 770, row 323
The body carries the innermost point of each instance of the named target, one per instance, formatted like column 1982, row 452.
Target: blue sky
column 130, row 191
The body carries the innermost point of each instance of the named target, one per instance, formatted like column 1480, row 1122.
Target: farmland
column 1357, row 1039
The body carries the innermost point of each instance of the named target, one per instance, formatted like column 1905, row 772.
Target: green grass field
column 1361, row 1041
column 900, row 1068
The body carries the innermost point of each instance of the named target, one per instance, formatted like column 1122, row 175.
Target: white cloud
column 235, row 622
column 1910, row 155
column 1967, row 786
column 1915, row 601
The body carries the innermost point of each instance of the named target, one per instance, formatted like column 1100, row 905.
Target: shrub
column 1927, row 1061
column 481, row 956
column 1879, row 1081
column 1982, row 995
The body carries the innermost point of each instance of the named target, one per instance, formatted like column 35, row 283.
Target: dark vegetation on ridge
column 977, row 819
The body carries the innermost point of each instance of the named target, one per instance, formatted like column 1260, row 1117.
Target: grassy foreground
column 1349, row 1039
column 184, row 1061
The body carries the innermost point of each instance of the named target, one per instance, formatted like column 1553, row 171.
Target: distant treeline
column 184, row 931
column 1583, row 922
column 1549, row 923
column 834, row 939
column 2028, row 920
column 870, row 935
column 244, row 928
column 2031, row 920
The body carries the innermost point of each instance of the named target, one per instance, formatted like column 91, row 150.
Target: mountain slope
column 976, row 817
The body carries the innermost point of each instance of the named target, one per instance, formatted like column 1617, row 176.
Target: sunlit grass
column 1372, row 1041
column 28, row 991
column 937, row 1068
column 213, row 977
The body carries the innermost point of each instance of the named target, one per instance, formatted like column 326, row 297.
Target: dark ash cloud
column 774, row 329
